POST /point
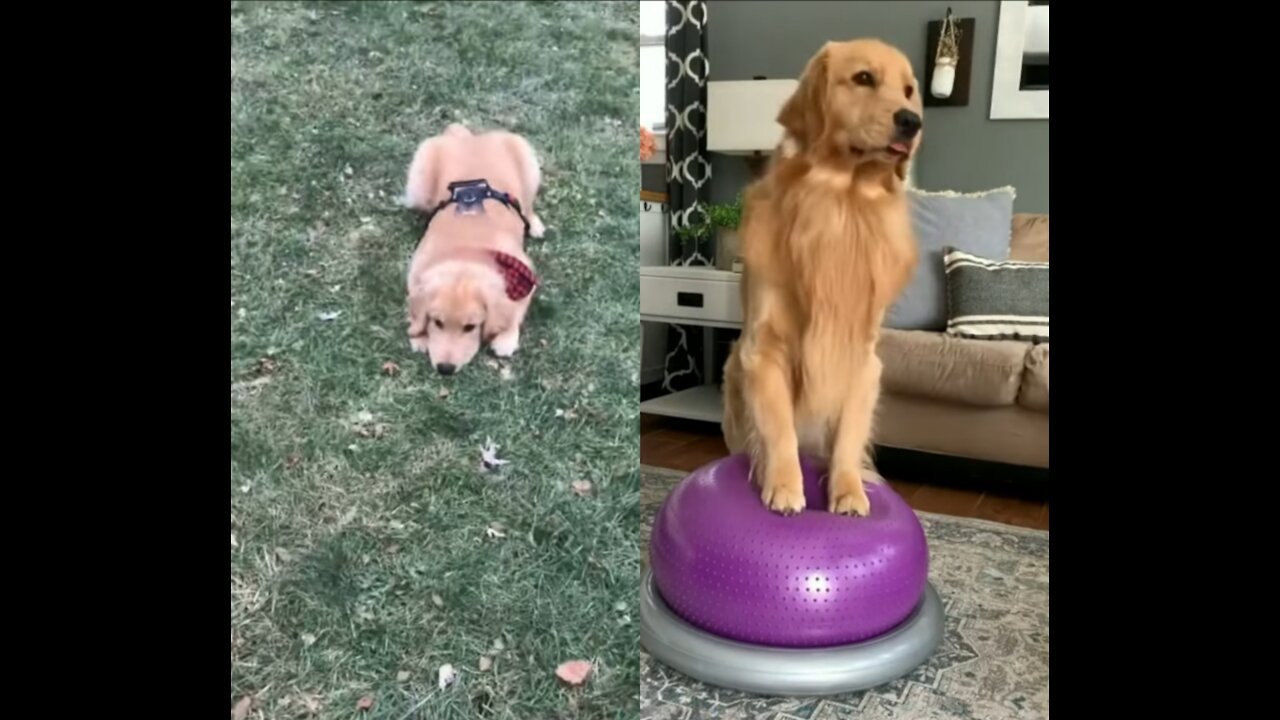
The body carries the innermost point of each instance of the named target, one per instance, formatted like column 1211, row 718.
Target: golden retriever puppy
column 470, row 281
column 827, row 247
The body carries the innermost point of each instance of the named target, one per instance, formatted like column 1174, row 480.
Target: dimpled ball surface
column 728, row 565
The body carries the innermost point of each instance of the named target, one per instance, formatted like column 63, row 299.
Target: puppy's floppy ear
column 499, row 310
column 417, row 313
column 804, row 115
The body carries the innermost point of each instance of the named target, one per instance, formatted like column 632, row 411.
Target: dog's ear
column 499, row 310
column 804, row 114
column 417, row 313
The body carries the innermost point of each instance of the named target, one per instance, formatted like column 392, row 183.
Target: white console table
column 697, row 296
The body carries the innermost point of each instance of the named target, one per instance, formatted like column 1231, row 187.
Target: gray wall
column 653, row 177
column 962, row 149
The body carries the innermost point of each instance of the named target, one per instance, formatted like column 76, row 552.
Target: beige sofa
column 979, row 399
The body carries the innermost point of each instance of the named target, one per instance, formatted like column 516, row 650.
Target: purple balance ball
column 726, row 564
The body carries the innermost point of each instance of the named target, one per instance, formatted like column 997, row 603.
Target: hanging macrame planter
column 946, row 59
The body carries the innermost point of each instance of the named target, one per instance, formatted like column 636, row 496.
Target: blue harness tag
column 469, row 196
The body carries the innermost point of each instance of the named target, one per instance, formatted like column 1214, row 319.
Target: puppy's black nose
column 446, row 369
column 907, row 122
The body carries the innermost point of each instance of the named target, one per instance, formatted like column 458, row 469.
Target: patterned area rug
column 993, row 663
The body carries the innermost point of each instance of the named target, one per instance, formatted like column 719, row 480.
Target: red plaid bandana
column 519, row 279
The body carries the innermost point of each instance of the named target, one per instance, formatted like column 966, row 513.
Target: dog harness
column 469, row 197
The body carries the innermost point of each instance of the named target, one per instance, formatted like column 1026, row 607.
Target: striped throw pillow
column 996, row 299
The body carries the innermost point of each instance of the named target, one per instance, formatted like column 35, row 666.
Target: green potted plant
column 721, row 226
column 724, row 219
column 693, row 234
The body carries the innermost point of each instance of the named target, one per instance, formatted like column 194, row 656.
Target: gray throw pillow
column 978, row 223
column 990, row 300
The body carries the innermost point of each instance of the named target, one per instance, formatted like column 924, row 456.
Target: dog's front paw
column 418, row 344
column 505, row 344
column 847, row 496
column 783, row 489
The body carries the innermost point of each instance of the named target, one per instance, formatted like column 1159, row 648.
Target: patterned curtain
column 688, row 172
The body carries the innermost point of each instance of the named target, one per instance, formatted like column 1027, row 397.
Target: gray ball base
column 788, row 671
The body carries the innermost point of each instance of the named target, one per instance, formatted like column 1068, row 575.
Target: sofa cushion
column 936, row 365
column 1030, row 239
column 980, row 223
column 1034, row 393
column 996, row 300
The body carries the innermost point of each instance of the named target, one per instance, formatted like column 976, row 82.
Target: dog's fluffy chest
column 844, row 246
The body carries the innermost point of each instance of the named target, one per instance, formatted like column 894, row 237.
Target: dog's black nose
column 446, row 369
column 907, row 122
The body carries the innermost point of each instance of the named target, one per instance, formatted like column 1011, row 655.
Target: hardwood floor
column 686, row 445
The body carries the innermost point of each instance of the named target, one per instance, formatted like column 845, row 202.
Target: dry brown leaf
column 402, row 676
column 365, row 424
column 581, row 488
column 241, row 709
column 489, row 455
column 499, row 645
column 446, row 676
column 543, row 342
column 365, row 703
column 390, row 368
column 574, row 672
column 308, row 639
column 311, row 703
column 250, row 386
column 267, row 365
column 486, row 662
column 443, row 393
column 393, row 548
column 292, row 461
column 437, row 600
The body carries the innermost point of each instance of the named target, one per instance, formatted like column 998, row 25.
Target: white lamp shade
column 742, row 115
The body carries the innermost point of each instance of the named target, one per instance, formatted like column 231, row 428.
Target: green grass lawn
column 362, row 558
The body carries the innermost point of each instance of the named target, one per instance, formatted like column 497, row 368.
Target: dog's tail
column 422, row 176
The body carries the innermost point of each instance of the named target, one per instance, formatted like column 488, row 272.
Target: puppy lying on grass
column 470, row 281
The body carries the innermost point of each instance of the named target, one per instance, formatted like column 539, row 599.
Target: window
column 653, row 63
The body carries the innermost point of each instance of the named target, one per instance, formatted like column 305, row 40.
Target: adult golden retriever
column 827, row 246
column 469, row 280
